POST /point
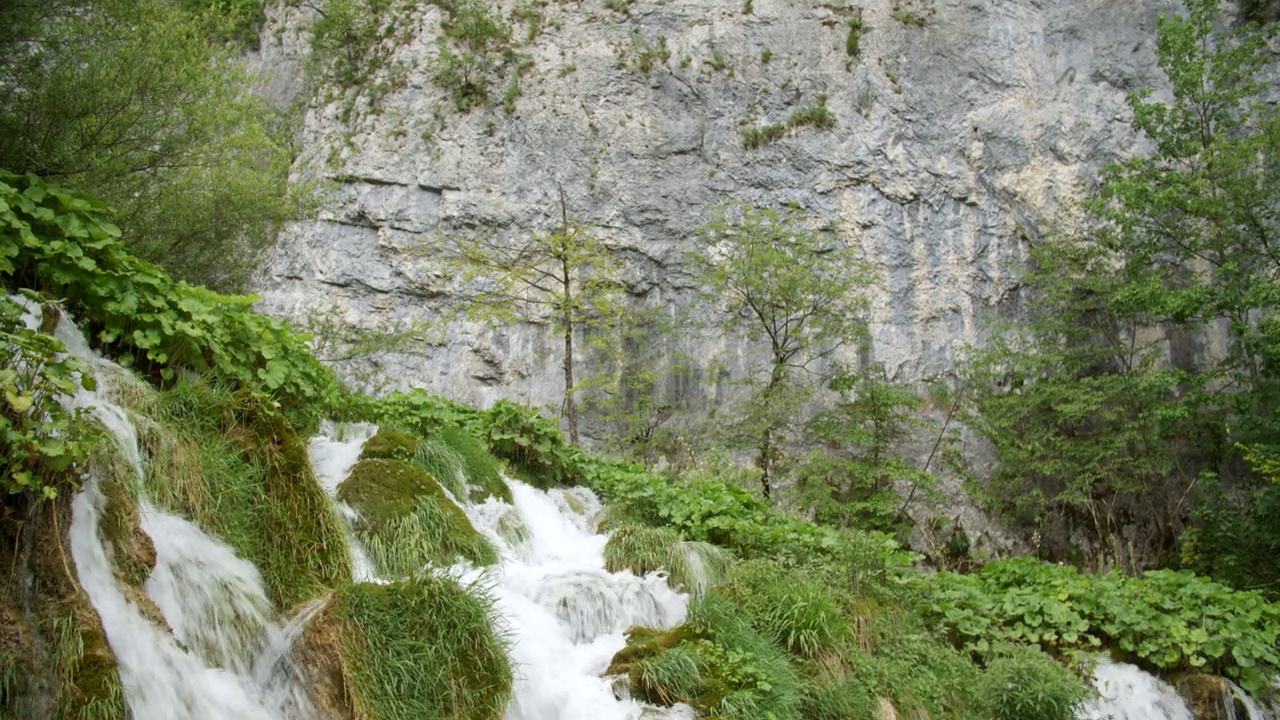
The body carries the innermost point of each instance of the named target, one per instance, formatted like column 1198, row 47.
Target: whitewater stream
column 226, row 656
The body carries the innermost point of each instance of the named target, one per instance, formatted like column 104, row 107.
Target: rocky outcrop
column 961, row 127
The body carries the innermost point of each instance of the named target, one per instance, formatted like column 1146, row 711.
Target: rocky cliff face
column 961, row 127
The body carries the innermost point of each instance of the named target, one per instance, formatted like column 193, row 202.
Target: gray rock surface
column 962, row 127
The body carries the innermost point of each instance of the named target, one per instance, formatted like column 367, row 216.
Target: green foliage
column 798, row 613
column 390, row 445
column 908, row 18
column 711, row 510
column 159, row 121
column 850, row 482
column 475, row 51
column 59, row 242
column 1026, row 683
column 422, row 648
column 44, row 444
column 853, row 41
column 691, row 566
column 650, row 57
column 456, row 457
column 793, row 290
column 1235, row 540
column 345, row 40
column 1116, row 408
column 233, row 465
column 1168, row 620
column 817, row 115
column 406, row 522
column 534, row 445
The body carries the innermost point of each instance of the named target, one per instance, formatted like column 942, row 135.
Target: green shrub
column 420, row 648
column 1026, row 683
column 52, row 240
column 1170, row 620
column 853, row 41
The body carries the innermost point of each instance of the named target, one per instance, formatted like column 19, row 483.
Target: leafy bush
column 43, row 443
column 1168, row 620
column 56, row 241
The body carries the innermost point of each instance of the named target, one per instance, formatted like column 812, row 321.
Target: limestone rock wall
column 961, row 127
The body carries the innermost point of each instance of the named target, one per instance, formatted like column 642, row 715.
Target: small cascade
column 217, row 659
column 563, row 612
column 1126, row 692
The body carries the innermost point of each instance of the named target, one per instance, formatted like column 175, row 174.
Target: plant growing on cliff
column 475, row 48
column 795, row 292
column 1117, row 411
column 565, row 279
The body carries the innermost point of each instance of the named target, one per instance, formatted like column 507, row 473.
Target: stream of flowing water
column 223, row 656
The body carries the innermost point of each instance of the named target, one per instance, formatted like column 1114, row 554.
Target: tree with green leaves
column 147, row 105
column 567, row 279
column 795, row 291
column 1147, row 360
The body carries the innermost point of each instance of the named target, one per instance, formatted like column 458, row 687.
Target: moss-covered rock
column 390, row 445
column 420, row 648
column 406, row 521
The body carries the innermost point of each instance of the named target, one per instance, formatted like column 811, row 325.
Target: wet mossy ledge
column 406, row 521
column 424, row 647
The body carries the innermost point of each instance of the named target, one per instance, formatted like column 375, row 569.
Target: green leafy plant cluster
column 533, row 444
column 43, row 443
column 56, row 241
column 475, row 50
column 1168, row 620
column 713, row 510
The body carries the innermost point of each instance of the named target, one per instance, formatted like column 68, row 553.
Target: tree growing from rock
column 566, row 279
column 796, row 292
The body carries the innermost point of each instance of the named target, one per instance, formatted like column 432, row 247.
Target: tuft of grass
column 754, row 137
column 233, row 464
column 1027, row 683
column 407, row 521
column 800, row 614
column 639, row 548
column 670, row 676
column 483, row 470
column 818, row 115
column 420, row 648
column 695, row 566
column 853, row 41
column 444, row 464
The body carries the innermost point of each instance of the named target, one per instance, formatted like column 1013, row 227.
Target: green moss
column 389, row 444
column 421, row 648
column 406, row 519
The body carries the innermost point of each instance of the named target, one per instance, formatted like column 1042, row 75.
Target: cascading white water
column 222, row 660
column 563, row 612
column 1126, row 692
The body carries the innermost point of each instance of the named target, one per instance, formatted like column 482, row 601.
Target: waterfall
column 1126, row 692
column 222, row 660
column 563, row 612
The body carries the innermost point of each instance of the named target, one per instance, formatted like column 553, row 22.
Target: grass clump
column 691, row 566
column 754, row 137
column 798, row 613
column 407, row 521
column 234, row 465
column 817, row 115
column 419, row 648
column 853, row 41
column 483, row 470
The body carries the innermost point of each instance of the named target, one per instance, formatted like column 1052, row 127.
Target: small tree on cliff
column 567, row 278
column 796, row 292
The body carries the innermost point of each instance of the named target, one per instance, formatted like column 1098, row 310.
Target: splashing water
column 222, row 659
column 1126, row 692
column 563, row 612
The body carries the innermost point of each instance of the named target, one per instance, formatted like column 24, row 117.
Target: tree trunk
column 570, row 406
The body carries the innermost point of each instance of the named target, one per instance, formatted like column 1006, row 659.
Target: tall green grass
column 691, row 566
column 421, row 648
column 232, row 464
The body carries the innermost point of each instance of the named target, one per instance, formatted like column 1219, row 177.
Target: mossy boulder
column 419, row 648
column 407, row 520
column 390, row 445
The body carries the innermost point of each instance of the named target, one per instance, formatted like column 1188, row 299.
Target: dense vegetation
column 1109, row 416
